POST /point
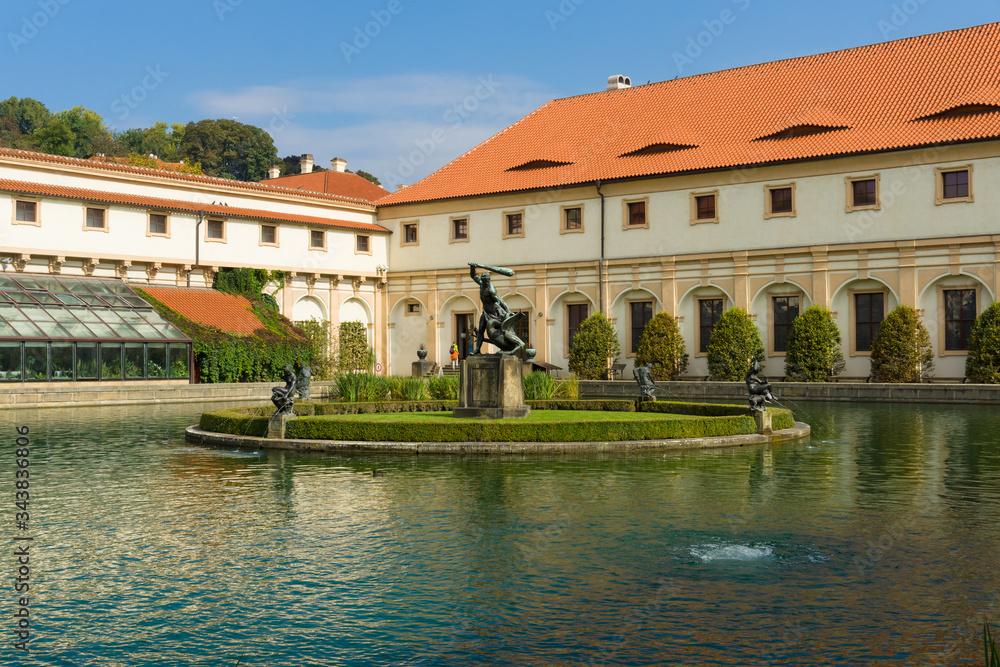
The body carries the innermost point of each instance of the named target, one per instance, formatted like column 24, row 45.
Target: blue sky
column 400, row 87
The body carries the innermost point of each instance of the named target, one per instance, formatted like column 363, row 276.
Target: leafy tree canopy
column 161, row 140
column 663, row 346
column 594, row 348
column 87, row 126
column 229, row 149
column 27, row 114
column 901, row 350
column 56, row 138
column 734, row 344
column 365, row 175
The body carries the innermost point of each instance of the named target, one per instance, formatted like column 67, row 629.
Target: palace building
column 857, row 180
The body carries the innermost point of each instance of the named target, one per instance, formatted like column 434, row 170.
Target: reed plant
column 407, row 388
column 568, row 388
column 539, row 386
column 443, row 388
column 354, row 387
column 990, row 647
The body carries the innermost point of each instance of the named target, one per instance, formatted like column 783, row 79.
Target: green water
column 874, row 542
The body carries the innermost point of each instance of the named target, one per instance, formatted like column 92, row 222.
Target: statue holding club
column 497, row 324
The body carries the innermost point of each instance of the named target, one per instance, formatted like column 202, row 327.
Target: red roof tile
column 105, row 165
column 332, row 183
column 141, row 201
column 209, row 307
column 873, row 94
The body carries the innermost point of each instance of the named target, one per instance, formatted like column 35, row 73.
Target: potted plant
column 422, row 352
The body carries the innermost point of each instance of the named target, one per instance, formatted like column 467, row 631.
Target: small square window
column 216, row 229
column 862, row 193
column 95, row 218
column 779, row 201
column 514, row 225
column 636, row 213
column 363, row 244
column 26, row 211
column 268, row 235
column 158, row 224
column 704, row 207
column 410, row 233
column 317, row 238
column 413, row 308
column 460, row 229
column 953, row 185
column 573, row 219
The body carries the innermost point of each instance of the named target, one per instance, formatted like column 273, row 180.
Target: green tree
column 292, row 165
column 87, row 127
column 160, row 139
column 318, row 335
column 901, row 350
column 365, row 175
column 594, row 348
column 56, row 138
column 353, row 350
column 813, row 353
column 663, row 346
column 229, row 149
column 26, row 114
column 734, row 344
column 983, row 363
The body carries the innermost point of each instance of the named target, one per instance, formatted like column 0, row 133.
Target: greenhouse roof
column 45, row 307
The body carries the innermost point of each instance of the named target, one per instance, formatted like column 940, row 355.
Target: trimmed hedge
column 378, row 407
column 597, row 405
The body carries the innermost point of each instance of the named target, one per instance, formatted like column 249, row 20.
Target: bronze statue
column 284, row 397
column 302, row 383
column 644, row 377
column 759, row 388
column 497, row 324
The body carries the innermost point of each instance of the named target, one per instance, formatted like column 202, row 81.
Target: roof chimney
column 618, row 82
column 274, row 172
column 400, row 186
column 339, row 164
column 306, row 163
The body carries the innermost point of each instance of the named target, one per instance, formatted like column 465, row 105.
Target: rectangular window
column 869, row 310
column 576, row 313
column 636, row 213
column 26, row 211
column 954, row 184
column 640, row 313
column 268, row 235
column 573, row 219
column 709, row 312
column 706, row 207
column 779, row 201
column 317, row 238
column 514, row 225
column 363, row 244
column 410, row 233
column 862, row 193
column 413, row 309
column 959, row 314
column 158, row 224
column 95, row 218
column 786, row 309
column 215, row 230
column 460, row 229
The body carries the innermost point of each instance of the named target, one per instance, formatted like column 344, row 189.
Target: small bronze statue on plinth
column 644, row 377
column 759, row 388
column 284, row 397
column 497, row 324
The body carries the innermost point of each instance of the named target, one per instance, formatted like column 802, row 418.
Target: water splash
column 709, row 553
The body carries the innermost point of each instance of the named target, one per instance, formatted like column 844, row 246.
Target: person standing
column 454, row 355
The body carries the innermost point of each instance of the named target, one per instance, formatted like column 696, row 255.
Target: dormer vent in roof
column 618, row 82
column 659, row 147
column 801, row 131
column 962, row 110
column 538, row 164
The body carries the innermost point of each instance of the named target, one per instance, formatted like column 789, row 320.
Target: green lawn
column 536, row 416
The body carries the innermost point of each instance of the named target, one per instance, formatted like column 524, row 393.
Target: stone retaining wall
column 805, row 391
column 80, row 394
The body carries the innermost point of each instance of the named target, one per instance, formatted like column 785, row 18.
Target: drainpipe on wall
column 600, row 263
column 197, row 246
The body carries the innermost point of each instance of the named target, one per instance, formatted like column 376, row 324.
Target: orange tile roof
column 142, row 201
column 333, row 183
column 209, row 307
column 873, row 94
column 107, row 165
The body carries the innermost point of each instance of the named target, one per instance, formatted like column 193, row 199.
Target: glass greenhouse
column 61, row 328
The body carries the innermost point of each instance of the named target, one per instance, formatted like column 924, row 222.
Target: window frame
column 563, row 228
column 451, row 229
column 772, row 351
column 694, row 196
column 322, row 232
column 357, row 242
column 769, row 211
column 505, row 222
column 409, row 313
column 939, row 173
column 630, row 324
column 942, row 350
column 37, row 222
column 260, row 234
column 165, row 234
column 849, row 182
column 105, row 223
column 697, row 320
column 403, row 227
column 626, row 213
column 223, row 226
column 853, row 316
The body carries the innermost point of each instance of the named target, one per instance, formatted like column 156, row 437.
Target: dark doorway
column 465, row 333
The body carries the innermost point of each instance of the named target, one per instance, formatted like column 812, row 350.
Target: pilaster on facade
column 820, row 276
column 908, row 288
column 741, row 282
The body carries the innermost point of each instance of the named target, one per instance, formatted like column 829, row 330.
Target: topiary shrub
column 983, row 363
column 663, row 346
column 318, row 335
column 353, row 347
column 734, row 344
column 594, row 349
column 901, row 350
column 813, row 353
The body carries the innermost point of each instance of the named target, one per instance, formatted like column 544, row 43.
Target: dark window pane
column 135, row 360
column 10, row 362
column 574, row 218
column 316, row 238
column 637, row 213
column 36, row 361
column 156, row 360
column 111, row 361
column 157, row 223
column 576, row 314
column 868, row 315
column 25, row 211
column 709, row 312
column 959, row 315
column 706, row 207
column 955, row 184
column 786, row 309
column 460, row 228
column 179, row 360
column 641, row 314
column 86, row 361
column 514, row 225
column 864, row 192
column 781, row 200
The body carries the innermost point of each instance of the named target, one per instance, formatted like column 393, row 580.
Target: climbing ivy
column 353, row 351
column 243, row 281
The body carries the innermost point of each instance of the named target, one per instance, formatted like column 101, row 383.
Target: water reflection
column 872, row 542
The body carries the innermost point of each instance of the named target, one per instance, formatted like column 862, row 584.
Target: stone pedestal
column 763, row 420
column 421, row 368
column 491, row 386
column 276, row 427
